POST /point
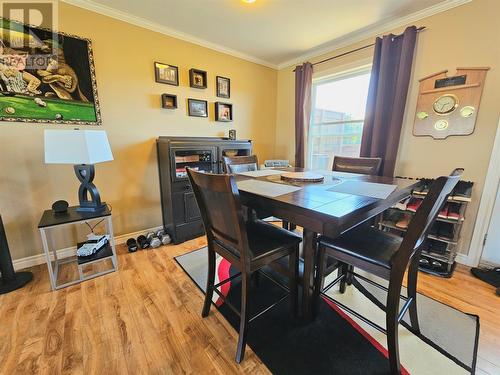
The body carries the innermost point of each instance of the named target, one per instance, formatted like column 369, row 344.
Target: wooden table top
column 316, row 208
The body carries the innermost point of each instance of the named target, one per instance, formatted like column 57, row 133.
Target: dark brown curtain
column 303, row 84
column 390, row 78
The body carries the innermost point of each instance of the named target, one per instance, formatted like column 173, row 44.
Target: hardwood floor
column 145, row 318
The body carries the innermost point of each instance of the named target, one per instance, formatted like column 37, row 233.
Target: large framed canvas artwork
column 46, row 76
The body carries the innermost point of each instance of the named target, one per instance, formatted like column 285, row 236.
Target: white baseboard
column 38, row 259
column 486, row 264
column 465, row 260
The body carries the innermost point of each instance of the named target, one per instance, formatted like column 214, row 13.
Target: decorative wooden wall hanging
column 449, row 105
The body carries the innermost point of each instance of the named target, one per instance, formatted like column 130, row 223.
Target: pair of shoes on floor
column 402, row 205
column 414, row 204
column 404, row 221
column 442, row 230
column 451, row 211
column 438, row 247
column 425, row 184
column 430, row 263
column 397, row 218
column 463, row 191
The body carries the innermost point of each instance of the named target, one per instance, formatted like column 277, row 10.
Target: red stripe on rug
column 365, row 334
column 223, row 272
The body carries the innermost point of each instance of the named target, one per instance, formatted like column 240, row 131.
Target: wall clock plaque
column 449, row 105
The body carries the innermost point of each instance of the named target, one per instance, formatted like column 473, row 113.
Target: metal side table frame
column 50, row 221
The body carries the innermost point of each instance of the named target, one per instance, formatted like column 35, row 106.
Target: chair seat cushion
column 365, row 243
column 264, row 238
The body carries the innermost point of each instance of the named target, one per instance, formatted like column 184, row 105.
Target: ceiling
column 276, row 33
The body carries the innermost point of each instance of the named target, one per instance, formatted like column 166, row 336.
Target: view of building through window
column 338, row 111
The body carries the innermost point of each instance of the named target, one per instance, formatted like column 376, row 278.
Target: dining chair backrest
column 221, row 211
column 238, row 164
column 426, row 215
column 369, row 166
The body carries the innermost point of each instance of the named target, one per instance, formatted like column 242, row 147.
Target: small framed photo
column 223, row 87
column 223, row 112
column 197, row 108
column 198, row 79
column 168, row 74
column 169, row 101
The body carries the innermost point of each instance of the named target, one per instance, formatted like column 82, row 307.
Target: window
column 338, row 111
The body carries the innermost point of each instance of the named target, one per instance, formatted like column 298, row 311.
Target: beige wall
column 130, row 103
column 264, row 111
column 468, row 35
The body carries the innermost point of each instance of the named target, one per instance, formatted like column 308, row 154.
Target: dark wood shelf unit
column 181, row 217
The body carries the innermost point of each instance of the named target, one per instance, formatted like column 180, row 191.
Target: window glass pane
column 338, row 111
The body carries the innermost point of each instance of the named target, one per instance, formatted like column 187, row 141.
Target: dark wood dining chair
column 370, row 166
column 387, row 256
column 238, row 164
column 247, row 245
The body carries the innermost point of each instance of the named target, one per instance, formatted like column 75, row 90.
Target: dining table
column 329, row 207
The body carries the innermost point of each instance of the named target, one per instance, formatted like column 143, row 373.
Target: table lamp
column 83, row 149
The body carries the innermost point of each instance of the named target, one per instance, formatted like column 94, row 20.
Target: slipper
column 490, row 276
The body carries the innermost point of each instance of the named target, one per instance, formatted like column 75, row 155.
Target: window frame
column 340, row 74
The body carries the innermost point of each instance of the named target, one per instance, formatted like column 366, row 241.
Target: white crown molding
column 153, row 26
column 367, row 32
column 337, row 43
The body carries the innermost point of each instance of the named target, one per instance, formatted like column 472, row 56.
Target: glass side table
column 51, row 220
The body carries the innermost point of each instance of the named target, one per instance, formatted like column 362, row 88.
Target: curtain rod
column 357, row 49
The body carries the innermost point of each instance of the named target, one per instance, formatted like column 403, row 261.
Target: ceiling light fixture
column 248, row 1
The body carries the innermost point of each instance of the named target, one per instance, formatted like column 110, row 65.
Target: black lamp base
column 20, row 279
column 85, row 174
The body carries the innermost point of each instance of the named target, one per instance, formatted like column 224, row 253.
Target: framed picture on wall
column 165, row 73
column 223, row 112
column 197, row 108
column 223, row 87
column 198, row 79
column 169, row 101
column 46, row 77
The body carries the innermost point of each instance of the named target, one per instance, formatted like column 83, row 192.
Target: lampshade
column 76, row 147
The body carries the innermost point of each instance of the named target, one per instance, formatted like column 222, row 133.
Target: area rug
column 336, row 342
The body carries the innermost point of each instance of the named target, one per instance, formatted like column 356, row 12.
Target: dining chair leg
column 293, row 267
column 392, row 311
column 242, row 338
column 292, row 227
column 349, row 276
column 210, row 282
column 284, row 224
column 309, row 246
column 343, row 270
column 412, row 292
column 318, row 280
